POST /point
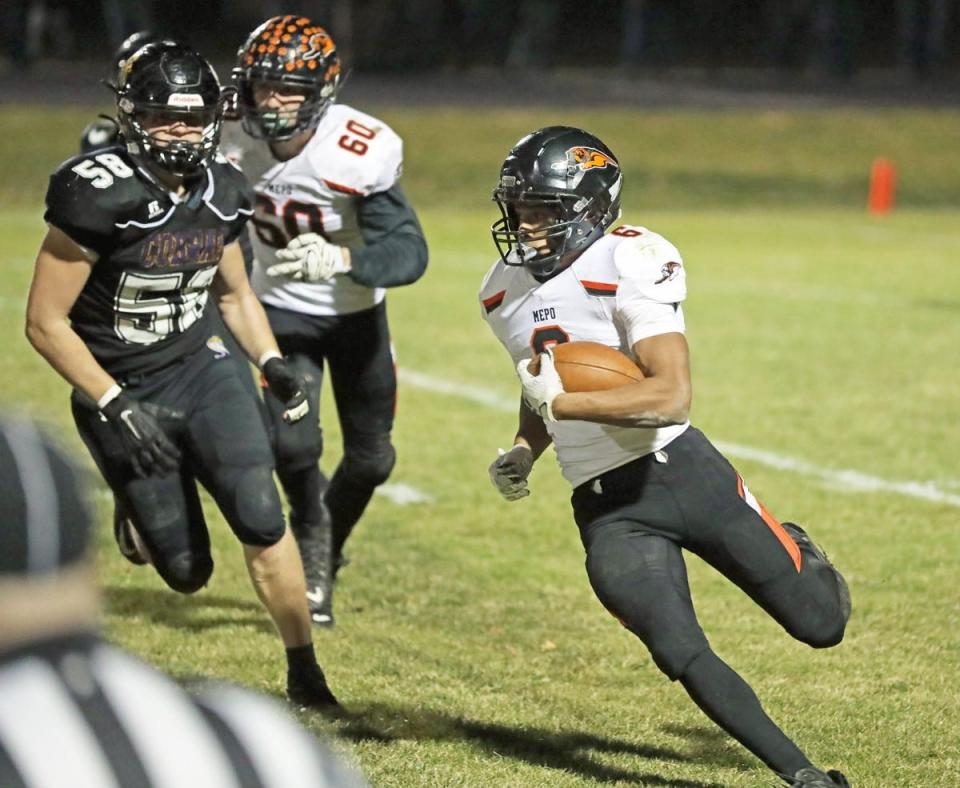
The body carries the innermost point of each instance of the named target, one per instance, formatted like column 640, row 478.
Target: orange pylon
column 883, row 186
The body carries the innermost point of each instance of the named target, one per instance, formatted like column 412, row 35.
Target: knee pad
column 257, row 516
column 821, row 631
column 186, row 573
column 370, row 466
column 826, row 638
column 819, row 605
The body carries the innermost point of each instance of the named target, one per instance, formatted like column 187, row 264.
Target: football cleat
column 126, row 536
column 309, row 690
column 315, row 553
column 807, row 545
column 814, row 778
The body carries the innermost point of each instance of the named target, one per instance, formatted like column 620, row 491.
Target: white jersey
column 626, row 287
column 350, row 156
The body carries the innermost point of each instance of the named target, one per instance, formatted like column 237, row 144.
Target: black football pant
column 636, row 520
column 356, row 349
column 225, row 447
column 220, row 333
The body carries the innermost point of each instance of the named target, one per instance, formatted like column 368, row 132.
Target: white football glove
column 309, row 258
column 510, row 470
column 539, row 391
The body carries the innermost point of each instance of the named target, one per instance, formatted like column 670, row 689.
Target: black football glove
column 510, row 470
column 151, row 452
column 287, row 388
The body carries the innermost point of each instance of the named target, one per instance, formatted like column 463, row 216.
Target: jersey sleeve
column 387, row 167
column 652, row 285
column 361, row 155
column 238, row 226
column 230, row 196
column 75, row 205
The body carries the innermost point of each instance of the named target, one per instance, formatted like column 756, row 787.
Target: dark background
column 833, row 39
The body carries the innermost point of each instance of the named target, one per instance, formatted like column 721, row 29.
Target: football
column 590, row 366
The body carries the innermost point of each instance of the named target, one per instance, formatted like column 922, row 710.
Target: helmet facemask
column 183, row 158
column 278, row 124
column 576, row 226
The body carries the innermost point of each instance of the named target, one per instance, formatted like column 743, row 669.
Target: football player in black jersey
column 102, row 133
column 139, row 235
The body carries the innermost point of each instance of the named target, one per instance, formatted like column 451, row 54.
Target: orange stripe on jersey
column 339, row 187
column 772, row 523
column 600, row 288
column 493, row 301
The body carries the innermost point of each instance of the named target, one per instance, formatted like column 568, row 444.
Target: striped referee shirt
column 78, row 713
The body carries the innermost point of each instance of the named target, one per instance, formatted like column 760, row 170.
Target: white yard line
column 403, row 494
column 844, row 479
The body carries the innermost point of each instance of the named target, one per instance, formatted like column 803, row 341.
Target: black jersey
column 155, row 254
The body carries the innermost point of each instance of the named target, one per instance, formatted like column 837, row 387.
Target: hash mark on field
column 843, row 479
column 403, row 494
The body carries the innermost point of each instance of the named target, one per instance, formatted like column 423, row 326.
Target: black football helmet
column 294, row 52
column 131, row 44
column 168, row 79
column 573, row 175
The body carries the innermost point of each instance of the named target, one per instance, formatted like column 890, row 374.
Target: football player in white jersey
column 333, row 230
column 646, row 484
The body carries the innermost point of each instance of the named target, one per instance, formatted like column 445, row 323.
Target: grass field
column 469, row 648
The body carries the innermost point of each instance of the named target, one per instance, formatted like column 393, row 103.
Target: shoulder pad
column 650, row 266
column 357, row 153
column 87, row 192
column 101, row 133
column 228, row 194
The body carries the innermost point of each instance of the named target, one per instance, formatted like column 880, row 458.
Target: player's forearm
column 63, row 349
column 532, row 432
column 247, row 321
column 648, row 403
column 397, row 259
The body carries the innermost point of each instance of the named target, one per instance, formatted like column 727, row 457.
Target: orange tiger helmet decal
column 590, row 158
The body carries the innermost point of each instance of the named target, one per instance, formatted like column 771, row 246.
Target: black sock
column 728, row 700
column 301, row 659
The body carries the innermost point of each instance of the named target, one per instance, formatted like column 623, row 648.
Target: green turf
column 469, row 648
